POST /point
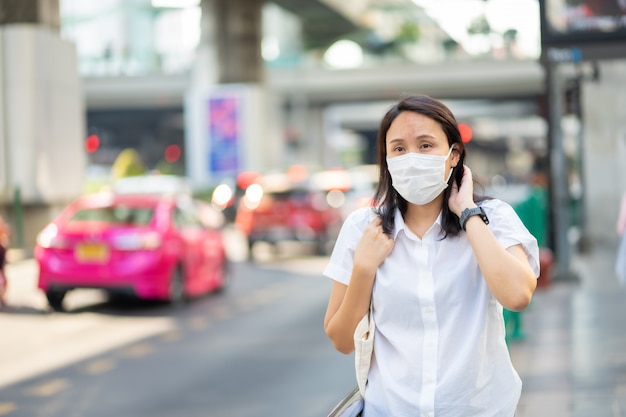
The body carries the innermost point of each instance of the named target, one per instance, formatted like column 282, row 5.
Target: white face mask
column 419, row 178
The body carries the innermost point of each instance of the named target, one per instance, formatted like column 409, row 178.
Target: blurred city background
column 251, row 125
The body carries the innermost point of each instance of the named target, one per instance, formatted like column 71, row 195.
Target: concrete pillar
column 230, row 45
column 227, row 107
column 41, row 12
column 604, row 109
column 42, row 114
column 239, row 23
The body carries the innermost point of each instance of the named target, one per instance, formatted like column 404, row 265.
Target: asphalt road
column 256, row 350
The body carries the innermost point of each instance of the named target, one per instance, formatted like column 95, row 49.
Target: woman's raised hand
column 373, row 247
column 462, row 197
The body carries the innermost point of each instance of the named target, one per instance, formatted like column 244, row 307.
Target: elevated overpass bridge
column 322, row 87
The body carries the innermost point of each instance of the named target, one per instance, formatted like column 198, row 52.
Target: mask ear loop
column 453, row 147
column 450, row 174
column 451, row 168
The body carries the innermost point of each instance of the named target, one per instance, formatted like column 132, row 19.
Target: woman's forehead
column 412, row 125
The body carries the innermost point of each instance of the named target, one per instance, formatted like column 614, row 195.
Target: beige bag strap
column 364, row 341
column 364, row 347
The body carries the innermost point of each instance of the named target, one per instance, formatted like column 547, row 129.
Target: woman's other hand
column 462, row 197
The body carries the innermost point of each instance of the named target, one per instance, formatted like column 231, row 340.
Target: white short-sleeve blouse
column 439, row 348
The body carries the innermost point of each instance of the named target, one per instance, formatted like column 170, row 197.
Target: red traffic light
column 466, row 132
column 92, row 143
column 172, row 153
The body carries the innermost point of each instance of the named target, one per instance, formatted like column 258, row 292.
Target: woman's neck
column 421, row 218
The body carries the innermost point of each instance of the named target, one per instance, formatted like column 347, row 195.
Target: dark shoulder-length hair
column 387, row 198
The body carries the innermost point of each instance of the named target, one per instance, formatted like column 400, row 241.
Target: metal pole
column 559, row 187
column 18, row 217
column 4, row 130
column 583, row 242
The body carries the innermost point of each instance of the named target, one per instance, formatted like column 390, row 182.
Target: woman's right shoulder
column 361, row 217
column 352, row 229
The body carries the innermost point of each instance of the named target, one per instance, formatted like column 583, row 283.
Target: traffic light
column 172, row 153
column 92, row 143
column 466, row 132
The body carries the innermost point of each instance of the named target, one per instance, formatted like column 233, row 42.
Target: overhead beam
column 477, row 80
column 321, row 24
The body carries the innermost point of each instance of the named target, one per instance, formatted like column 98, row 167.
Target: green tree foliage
column 127, row 164
column 167, row 168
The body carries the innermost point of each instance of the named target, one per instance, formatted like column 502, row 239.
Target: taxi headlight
column 253, row 196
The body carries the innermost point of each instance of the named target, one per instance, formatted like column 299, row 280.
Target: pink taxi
column 149, row 246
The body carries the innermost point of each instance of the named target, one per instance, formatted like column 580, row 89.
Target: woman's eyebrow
column 425, row 136
column 420, row 137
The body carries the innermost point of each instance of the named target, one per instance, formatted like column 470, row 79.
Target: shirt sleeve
column 509, row 229
column 341, row 261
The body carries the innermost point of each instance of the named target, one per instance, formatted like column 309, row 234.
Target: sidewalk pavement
column 572, row 360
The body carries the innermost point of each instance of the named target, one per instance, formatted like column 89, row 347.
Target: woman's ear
column 455, row 157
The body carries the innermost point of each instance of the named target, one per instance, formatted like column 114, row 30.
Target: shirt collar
column 400, row 225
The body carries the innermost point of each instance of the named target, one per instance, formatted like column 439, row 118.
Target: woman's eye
column 398, row 149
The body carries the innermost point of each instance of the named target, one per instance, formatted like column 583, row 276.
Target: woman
column 439, row 264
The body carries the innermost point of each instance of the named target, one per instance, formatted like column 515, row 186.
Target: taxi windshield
column 118, row 215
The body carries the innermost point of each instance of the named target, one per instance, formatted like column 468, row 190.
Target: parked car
column 275, row 208
column 153, row 247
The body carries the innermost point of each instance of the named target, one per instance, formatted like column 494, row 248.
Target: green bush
column 127, row 164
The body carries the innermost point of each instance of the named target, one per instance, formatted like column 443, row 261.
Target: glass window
column 184, row 217
column 118, row 215
column 132, row 37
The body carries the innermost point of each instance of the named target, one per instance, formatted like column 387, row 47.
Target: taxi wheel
column 176, row 293
column 55, row 299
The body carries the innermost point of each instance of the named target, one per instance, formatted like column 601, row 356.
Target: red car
column 275, row 208
column 149, row 246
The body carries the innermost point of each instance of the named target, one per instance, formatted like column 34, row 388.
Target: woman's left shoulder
column 495, row 205
column 498, row 211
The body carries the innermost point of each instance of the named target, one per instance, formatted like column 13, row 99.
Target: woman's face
column 414, row 132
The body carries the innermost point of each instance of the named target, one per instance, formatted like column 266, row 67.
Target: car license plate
column 89, row 252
